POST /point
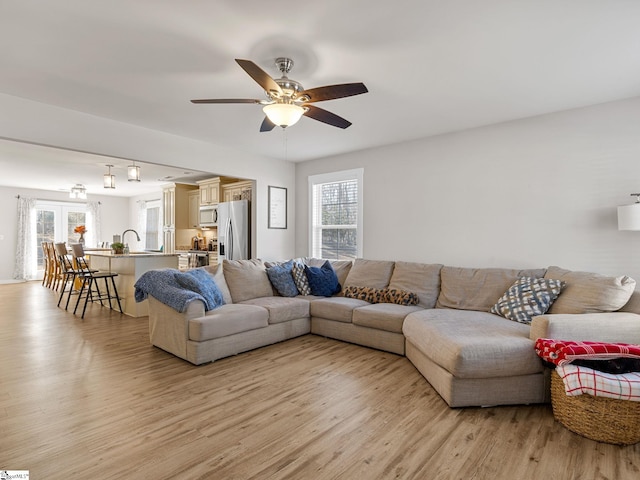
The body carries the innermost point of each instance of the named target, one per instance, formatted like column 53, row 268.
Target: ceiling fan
column 287, row 100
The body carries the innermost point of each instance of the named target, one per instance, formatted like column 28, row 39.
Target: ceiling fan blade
column 330, row 92
column 325, row 116
column 227, row 100
column 260, row 76
column 267, row 125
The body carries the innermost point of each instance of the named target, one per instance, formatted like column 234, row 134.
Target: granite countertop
column 133, row 254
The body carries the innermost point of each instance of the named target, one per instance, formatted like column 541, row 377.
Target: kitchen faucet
column 130, row 230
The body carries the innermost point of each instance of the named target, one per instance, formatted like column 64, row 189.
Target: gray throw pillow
column 528, row 297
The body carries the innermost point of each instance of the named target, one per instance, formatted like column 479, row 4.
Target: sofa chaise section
column 476, row 358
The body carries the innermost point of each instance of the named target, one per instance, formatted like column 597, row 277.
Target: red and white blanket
column 563, row 352
column 578, row 380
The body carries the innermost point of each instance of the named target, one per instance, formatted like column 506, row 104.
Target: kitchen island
column 129, row 268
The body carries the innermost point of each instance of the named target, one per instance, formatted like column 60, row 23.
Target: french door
column 55, row 222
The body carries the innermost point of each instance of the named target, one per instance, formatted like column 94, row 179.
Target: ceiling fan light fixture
column 133, row 173
column 283, row 114
column 78, row 191
column 109, row 180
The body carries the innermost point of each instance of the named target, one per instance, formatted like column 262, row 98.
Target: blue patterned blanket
column 177, row 289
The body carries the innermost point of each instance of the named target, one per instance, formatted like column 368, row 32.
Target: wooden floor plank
column 93, row 399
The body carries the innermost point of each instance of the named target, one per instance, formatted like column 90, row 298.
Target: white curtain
column 93, row 224
column 142, row 222
column 26, row 254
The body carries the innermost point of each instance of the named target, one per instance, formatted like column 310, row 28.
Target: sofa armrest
column 168, row 328
column 623, row 327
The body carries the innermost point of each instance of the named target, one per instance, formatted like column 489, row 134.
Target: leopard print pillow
column 368, row 294
column 401, row 297
column 381, row 295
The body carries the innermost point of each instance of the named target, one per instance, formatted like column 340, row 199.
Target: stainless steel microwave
column 208, row 215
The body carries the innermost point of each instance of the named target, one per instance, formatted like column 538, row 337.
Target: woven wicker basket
column 598, row 418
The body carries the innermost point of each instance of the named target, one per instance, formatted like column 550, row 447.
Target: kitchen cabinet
column 209, row 191
column 169, row 206
column 169, row 243
column 237, row 191
column 194, row 209
column 175, row 204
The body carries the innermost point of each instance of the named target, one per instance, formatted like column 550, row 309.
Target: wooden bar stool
column 90, row 279
column 68, row 272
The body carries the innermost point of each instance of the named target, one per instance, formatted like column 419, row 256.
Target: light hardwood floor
column 92, row 399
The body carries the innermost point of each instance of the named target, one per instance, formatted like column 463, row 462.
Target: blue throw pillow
column 201, row 282
column 281, row 277
column 323, row 280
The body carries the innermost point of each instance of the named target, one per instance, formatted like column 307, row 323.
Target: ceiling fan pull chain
column 285, row 139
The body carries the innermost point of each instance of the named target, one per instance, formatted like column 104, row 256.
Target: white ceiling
column 431, row 67
column 25, row 165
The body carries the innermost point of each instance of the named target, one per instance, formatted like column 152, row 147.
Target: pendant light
column 133, row 173
column 78, row 191
column 109, row 180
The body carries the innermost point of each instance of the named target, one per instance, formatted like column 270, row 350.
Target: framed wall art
column 277, row 207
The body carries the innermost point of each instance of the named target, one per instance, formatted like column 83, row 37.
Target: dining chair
column 68, row 272
column 56, row 268
column 89, row 280
column 46, row 260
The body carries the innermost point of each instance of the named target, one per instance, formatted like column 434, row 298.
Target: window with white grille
column 336, row 215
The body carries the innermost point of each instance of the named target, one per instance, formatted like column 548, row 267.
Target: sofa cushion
column 339, row 309
column 383, row 316
column 527, row 297
column 227, row 320
column 470, row 344
column 300, row 278
column 586, row 292
column 323, row 281
column 281, row 309
column 369, row 273
column 420, row 278
column 342, row 269
column 218, row 277
column 246, row 279
column 281, row 277
column 477, row 288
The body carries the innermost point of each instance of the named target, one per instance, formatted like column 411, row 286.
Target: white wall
column 113, row 220
column 25, row 120
column 530, row 193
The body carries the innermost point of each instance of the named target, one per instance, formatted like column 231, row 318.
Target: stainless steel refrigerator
column 233, row 230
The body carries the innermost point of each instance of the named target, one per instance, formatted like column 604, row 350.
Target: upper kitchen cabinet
column 169, row 206
column 175, row 201
column 237, row 190
column 209, row 191
column 194, row 209
column 176, row 218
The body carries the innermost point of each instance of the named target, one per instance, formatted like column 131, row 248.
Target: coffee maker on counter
column 197, row 243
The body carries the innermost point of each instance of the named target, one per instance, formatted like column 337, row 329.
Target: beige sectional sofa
column 470, row 356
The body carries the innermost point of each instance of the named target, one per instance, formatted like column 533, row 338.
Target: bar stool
column 90, row 279
column 68, row 272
